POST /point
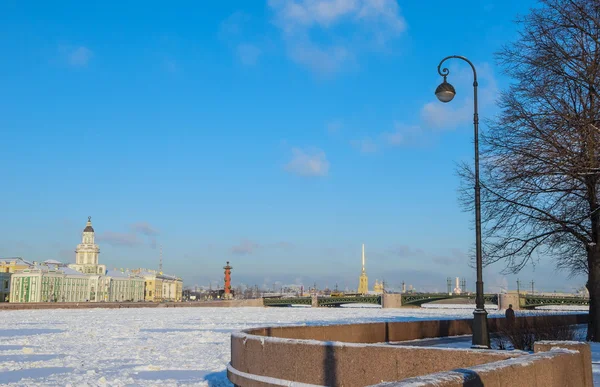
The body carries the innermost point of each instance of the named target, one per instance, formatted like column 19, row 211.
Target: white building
column 86, row 280
column 87, row 252
column 125, row 287
column 55, row 283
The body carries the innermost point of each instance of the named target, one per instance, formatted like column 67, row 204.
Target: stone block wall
column 357, row 355
column 560, row 364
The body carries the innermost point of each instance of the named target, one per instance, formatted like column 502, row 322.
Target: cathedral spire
column 363, row 281
column 363, row 257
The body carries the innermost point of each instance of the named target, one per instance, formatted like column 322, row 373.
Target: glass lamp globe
column 445, row 92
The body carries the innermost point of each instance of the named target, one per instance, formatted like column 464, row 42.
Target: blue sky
column 278, row 135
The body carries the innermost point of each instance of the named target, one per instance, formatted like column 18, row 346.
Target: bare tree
column 541, row 156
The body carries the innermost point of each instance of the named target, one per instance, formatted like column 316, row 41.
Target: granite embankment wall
column 364, row 354
column 120, row 305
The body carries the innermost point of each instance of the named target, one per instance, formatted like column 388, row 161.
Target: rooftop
column 18, row 260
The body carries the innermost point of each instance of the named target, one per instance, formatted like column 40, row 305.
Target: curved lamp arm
column 444, row 71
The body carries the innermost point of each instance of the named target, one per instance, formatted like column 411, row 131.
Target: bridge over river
column 526, row 301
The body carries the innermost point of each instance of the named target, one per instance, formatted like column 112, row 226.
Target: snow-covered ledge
column 361, row 354
column 566, row 365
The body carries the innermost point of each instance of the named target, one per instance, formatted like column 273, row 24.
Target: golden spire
column 363, row 257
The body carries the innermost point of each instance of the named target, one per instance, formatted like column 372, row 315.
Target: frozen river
column 151, row 347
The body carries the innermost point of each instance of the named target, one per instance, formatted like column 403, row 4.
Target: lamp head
column 445, row 92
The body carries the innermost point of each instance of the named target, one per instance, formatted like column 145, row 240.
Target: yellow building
column 159, row 286
column 10, row 265
column 378, row 287
column 7, row 267
column 363, row 281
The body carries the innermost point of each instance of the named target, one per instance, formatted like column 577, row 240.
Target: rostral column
column 227, row 295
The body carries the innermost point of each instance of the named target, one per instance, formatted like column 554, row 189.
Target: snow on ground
column 152, row 347
column 458, row 306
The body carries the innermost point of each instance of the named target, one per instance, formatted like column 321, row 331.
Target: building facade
column 7, row 267
column 10, row 265
column 5, row 286
column 87, row 252
column 159, row 287
column 84, row 281
column 52, row 283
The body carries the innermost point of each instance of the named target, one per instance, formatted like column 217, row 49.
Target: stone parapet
column 554, row 368
column 583, row 349
column 364, row 354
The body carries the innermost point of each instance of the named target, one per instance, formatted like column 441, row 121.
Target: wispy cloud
column 233, row 25
column 283, row 245
column 453, row 257
column 144, row 228
column 245, row 247
column 233, row 31
column 131, row 238
column 400, row 135
column 76, row 56
column 319, row 59
column 300, row 20
column 126, row 239
column 248, row 53
column 308, row 162
column 365, row 145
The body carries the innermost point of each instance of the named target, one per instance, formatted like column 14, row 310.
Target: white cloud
column 365, row 145
column 77, row 56
column 144, row 228
column 309, row 162
column 402, row 135
column 248, row 53
column 233, row 25
column 299, row 20
column 118, row 238
column 249, row 247
column 325, row 13
column 234, row 32
column 245, row 247
column 130, row 238
column 399, row 135
column 321, row 60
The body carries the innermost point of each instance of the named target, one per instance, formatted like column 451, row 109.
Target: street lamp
column 445, row 92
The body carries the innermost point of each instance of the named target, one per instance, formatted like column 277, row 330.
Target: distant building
column 363, row 281
column 7, row 267
column 378, row 287
column 86, row 280
column 55, row 283
column 160, row 287
column 87, row 252
column 124, row 286
column 5, row 286
column 10, row 265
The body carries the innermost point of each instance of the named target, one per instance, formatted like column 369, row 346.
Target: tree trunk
column 593, row 286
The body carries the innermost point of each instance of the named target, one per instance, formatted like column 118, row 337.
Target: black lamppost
column 445, row 92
